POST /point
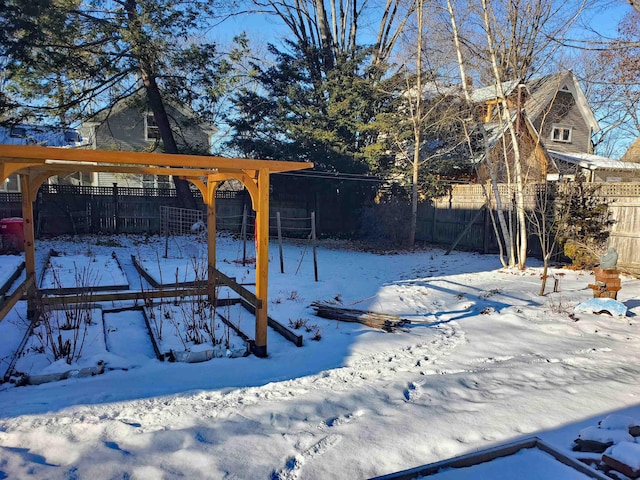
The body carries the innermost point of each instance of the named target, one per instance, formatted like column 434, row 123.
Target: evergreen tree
column 84, row 56
column 330, row 121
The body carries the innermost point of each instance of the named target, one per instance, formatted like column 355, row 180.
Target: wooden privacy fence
column 74, row 209
column 442, row 221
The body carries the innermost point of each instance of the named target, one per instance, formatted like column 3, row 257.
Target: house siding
column 565, row 112
column 125, row 130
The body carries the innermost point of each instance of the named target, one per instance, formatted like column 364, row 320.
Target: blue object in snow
column 599, row 305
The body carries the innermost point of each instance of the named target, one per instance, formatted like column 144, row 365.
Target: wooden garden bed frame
column 36, row 164
column 488, row 454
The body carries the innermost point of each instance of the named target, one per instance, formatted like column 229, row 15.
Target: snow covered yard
column 485, row 361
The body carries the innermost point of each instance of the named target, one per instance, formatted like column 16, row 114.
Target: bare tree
column 491, row 167
column 327, row 35
column 509, row 41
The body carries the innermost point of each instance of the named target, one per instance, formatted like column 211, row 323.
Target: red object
column 12, row 232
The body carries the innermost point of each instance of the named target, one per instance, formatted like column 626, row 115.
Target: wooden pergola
column 36, row 164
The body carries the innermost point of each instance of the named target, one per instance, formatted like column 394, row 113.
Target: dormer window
column 151, row 130
column 561, row 134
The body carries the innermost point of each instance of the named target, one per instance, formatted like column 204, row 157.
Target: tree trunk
column 517, row 161
column 417, row 126
column 507, row 238
column 156, row 104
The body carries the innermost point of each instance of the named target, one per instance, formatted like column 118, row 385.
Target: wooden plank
column 11, row 301
column 236, row 287
column 239, row 332
column 127, row 296
column 210, row 200
column 29, row 238
column 569, row 461
column 30, row 155
column 297, row 340
column 144, row 273
column 154, row 343
column 220, row 277
column 14, row 276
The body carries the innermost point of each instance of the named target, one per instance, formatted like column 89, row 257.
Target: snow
column 627, row 453
column 83, row 270
column 527, row 464
column 605, row 435
column 614, row 422
column 599, row 305
column 593, row 162
column 485, row 361
column 8, row 265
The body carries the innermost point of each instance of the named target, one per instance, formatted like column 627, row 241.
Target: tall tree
column 613, row 79
column 510, row 40
column 328, row 31
column 87, row 54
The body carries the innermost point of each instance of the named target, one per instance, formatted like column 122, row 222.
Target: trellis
column 36, row 164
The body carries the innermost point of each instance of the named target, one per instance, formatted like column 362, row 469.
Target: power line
column 335, row 176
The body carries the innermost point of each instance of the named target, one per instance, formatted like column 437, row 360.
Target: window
column 151, row 131
column 71, row 136
column 11, row 184
column 18, row 132
column 561, row 134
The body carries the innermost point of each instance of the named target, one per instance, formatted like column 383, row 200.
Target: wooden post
column 262, row 262
column 243, row 234
column 313, row 240
column 279, row 225
column 116, row 212
column 29, row 241
column 434, row 221
column 211, row 238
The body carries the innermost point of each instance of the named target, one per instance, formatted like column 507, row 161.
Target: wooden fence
column 446, row 218
column 71, row 209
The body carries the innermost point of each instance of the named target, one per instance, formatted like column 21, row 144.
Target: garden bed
column 529, row 459
column 12, row 266
column 191, row 330
column 113, row 339
column 67, row 274
column 70, row 342
column 171, row 272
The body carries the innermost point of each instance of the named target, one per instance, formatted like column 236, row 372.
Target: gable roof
column 483, row 94
column 633, row 152
column 543, row 90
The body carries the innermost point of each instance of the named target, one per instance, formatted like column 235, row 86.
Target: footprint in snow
column 293, row 465
column 412, row 392
column 341, row 420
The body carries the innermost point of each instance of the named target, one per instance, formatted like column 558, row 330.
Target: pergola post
column 29, row 240
column 262, row 262
column 210, row 200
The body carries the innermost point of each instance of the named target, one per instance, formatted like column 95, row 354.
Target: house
column 129, row 125
column 556, row 117
column 42, row 135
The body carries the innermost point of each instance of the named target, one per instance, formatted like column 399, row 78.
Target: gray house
column 559, row 128
column 130, row 126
